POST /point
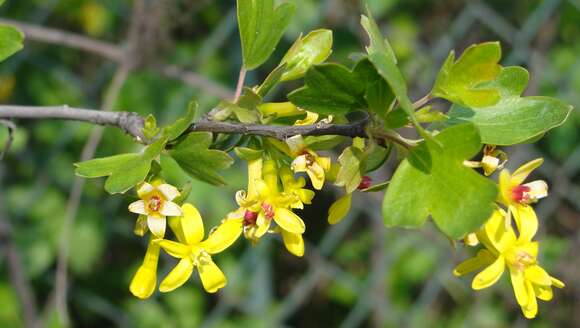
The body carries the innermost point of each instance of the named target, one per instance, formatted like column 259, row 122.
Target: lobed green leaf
column 459, row 199
column 194, row 156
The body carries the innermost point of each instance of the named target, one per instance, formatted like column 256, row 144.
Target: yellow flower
column 306, row 160
column 155, row 204
column 145, row 279
column 295, row 188
column 195, row 253
column 519, row 254
column 264, row 203
column 287, row 109
column 517, row 196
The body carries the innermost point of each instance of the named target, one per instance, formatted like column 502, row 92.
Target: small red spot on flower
column 154, row 203
column 250, row 218
column 519, row 193
column 365, row 183
column 268, row 210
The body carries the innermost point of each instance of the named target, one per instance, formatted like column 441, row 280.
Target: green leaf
column 10, row 41
column 323, row 142
column 461, row 81
column 378, row 94
column 374, row 157
column 248, row 154
column 124, row 171
column 261, row 27
column 378, row 187
column 458, row 199
column 313, row 49
column 175, row 130
column 194, row 157
column 349, row 175
column 330, row 89
column 514, row 119
column 383, row 58
column 271, row 81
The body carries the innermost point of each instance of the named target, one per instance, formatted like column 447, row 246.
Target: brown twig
column 116, row 54
column 132, row 123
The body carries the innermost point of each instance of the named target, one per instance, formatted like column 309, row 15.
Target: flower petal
column 254, row 175
column 526, row 222
column 192, row 224
column 310, row 118
column 339, row 209
column 293, row 242
column 483, row 258
column 156, row 225
column 557, row 283
column 324, row 162
column 145, row 279
column 519, row 285
column 138, row 207
column 489, row 275
column 497, row 235
column 170, row 209
column 174, row 249
column 144, row 189
column 223, row 236
column 522, row 173
column 505, row 188
column 316, row 174
column 143, row 283
column 289, row 221
column 530, row 310
column 168, row 191
column 299, row 164
column 537, row 275
column 544, row 293
column 178, row 276
column 212, row 278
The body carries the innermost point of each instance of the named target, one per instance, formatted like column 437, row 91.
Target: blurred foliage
column 335, row 286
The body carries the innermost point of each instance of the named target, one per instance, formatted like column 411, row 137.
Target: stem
column 423, row 101
column 240, row 86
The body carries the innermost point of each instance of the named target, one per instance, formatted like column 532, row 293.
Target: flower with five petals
column 156, row 204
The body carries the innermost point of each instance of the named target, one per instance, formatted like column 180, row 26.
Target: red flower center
column 365, row 183
column 154, row 203
column 519, row 193
column 250, row 218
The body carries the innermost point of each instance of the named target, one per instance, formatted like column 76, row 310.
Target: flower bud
column 313, row 49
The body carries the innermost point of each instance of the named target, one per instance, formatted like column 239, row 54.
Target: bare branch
column 115, row 53
column 131, row 123
column 72, row 40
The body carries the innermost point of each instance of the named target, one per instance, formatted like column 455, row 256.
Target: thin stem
column 240, row 86
column 423, row 101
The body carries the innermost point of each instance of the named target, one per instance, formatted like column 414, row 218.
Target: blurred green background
column 355, row 274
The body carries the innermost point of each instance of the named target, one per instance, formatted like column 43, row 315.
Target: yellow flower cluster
column 266, row 206
column 513, row 247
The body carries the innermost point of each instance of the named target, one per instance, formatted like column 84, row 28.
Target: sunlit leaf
column 458, row 199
